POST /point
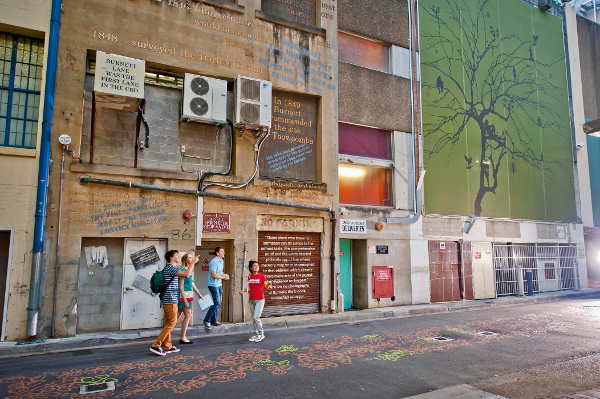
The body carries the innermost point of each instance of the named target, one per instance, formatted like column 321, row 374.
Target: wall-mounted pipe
column 35, row 285
column 415, row 94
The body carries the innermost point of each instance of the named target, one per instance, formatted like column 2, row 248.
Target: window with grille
column 21, row 64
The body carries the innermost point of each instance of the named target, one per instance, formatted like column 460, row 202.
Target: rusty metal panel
column 290, row 152
column 292, row 263
column 444, row 271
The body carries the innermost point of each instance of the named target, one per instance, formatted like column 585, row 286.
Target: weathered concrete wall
column 373, row 98
column 18, row 176
column 385, row 20
column 99, row 288
column 589, row 52
column 197, row 38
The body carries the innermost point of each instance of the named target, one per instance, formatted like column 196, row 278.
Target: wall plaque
column 290, row 152
column 215, row 223
column 382, row 249
column 301, row 11
column 292, row 263
column 145, row 257
column 119, row 75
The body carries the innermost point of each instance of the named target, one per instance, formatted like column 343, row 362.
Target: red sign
column 341, row 253
column 477, row 255
column 215, row 223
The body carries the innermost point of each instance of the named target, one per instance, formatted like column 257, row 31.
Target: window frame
column 8, row 118
column 373, row 162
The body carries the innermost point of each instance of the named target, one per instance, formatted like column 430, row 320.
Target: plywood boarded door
column 444, row 271
column 139, row 308
column 292, row 262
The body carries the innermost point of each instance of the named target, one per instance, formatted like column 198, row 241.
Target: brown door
column 4, row 253
column 444, row 271
column 206, row 252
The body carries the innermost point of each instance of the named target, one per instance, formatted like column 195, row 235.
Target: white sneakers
column 256, row 338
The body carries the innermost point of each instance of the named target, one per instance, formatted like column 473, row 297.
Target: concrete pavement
column 109, row 339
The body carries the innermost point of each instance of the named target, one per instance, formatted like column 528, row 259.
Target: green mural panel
column 497, row 135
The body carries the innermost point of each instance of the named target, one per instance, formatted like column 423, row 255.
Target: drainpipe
column 415, row 94
column 44, row 172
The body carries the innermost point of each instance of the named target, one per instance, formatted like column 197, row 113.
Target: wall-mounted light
column 351, row 171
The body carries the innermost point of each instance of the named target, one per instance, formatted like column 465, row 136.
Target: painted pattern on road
column 179, row 374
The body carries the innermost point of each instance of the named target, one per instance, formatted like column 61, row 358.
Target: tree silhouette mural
column 493, row 85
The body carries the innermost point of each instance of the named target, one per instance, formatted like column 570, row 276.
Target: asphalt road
column 537, row 351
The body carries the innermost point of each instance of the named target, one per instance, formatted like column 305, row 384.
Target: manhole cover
column 442, row 339
column 93, row 388
column 487, row 333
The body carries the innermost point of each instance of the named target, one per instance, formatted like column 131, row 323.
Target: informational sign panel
column 353, row 226
column 301, row 11
column 292, row 263
column 145, row 257
column 290, row 152
column 118, row 75
column 215, row 223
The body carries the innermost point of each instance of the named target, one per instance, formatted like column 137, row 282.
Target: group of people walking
column 177, row 296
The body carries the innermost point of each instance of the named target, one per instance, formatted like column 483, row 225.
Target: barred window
column 21, row 61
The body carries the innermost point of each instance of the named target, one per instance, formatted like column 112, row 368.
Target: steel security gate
column 554, row 267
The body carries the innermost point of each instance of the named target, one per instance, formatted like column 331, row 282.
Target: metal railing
column 553, row 267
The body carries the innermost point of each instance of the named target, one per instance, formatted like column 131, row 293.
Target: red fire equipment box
column 383, row 282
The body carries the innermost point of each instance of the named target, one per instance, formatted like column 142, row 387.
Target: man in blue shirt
column 215, row 286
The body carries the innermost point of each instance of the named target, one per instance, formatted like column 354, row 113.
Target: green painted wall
column 497, row 136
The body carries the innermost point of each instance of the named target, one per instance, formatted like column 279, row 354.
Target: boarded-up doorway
column 444, row 271
column 292, row 262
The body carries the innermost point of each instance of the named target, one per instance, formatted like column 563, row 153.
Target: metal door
column 444, row 271
column 346, row 272
column 483, row 271
column 201, row 280
column 139, row 308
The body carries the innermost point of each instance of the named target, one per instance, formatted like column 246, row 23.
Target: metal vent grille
column 199, row 106
column 250, row 89
column 250, row 113
column 199, row 86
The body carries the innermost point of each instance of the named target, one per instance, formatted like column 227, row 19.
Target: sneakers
column 158, row 351
column 172, row 350
column 256, row 338
column 207, row 325
column 216, row 324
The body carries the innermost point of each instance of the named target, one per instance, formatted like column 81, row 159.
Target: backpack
column 157, row 282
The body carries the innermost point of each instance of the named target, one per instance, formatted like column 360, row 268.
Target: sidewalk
column 119, row 338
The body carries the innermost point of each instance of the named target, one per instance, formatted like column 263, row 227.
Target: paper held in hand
column 205, row 302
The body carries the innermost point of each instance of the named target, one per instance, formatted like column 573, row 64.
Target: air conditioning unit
column 204, row 99
column 253, row 102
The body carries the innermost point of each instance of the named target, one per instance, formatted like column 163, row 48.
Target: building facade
column 146, row 175
column 495, row 157
column 24, row 29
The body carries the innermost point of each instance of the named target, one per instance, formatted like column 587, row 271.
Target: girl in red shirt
column 257, row 282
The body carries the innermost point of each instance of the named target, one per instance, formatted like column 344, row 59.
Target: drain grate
column 487, row 333
column 442, row 339
column 94, row 388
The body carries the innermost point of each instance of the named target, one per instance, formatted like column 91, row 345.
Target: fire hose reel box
column 383, row 282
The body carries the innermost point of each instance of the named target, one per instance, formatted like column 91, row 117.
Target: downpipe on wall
column 415, row 94
column 35, row 285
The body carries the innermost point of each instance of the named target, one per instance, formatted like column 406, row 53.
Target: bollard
column 529, row 280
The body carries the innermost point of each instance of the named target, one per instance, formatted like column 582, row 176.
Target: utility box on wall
column 383, row 282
